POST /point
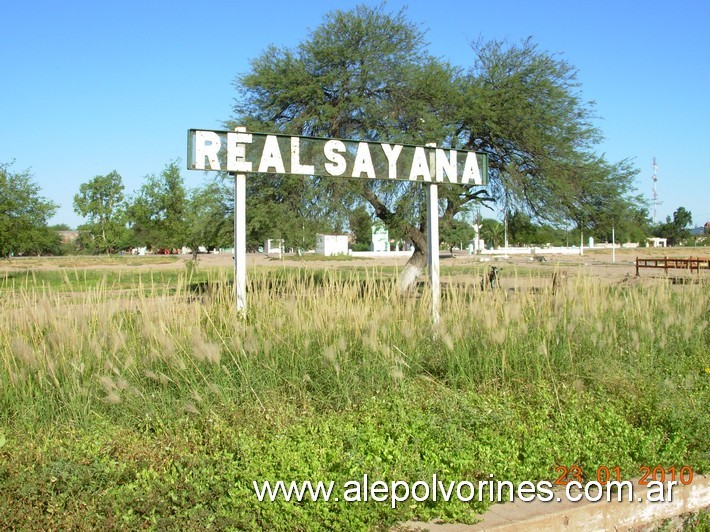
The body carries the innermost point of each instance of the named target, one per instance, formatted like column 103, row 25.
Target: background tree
column 360, row 223
column 101, row 200
column 287, row 207
column 366, row 75
column 61, row 227
column 209, row 217
column 24, row 215
column 521, row 229
column 492, row 232
column 455, row 233
column 158, row 213
column 676, row 230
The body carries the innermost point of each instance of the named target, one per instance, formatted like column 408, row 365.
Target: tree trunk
column 418, row 261
column 413, row 269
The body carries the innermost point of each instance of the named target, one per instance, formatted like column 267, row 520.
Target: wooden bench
column 666, row 263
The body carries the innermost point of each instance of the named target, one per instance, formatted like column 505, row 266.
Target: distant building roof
column 68, row 236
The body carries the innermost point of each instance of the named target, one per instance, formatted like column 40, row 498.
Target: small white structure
column 380, row 237
column 328, row 245
column 656, row 242
column 476, row 246
column 477, row 243
column 274, row 245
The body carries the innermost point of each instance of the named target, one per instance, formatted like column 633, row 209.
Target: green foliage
column 151, row 405
column 682, row 218
column 521, row 230
column 61, row 227
column 366, row 74
column 492, row 232
column 363, row 74
column 24, row 215
column 201, row 469
column 285, row 207
column 209, row 216
column 454, row 232
column 676, row 230
column 361, row 225
column 164, row 214
column 158, row 214
column 101, row 200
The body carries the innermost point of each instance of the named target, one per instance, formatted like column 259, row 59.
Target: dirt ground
column 594, row 262
column 598, row 262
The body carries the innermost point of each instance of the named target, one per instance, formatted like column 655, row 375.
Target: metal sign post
column 240, row 242
column 432, row 228
column 432, row 225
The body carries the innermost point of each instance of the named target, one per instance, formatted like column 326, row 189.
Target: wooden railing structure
column 666, row 263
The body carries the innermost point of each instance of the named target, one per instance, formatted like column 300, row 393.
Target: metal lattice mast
column 655, row 194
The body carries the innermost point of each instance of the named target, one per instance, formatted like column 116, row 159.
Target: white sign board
column 242, row 152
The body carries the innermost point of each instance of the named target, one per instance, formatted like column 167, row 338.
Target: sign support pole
column 240, row 243
column 432, row 228
column 432, row 200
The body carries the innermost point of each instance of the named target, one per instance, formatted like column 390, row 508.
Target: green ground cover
column 159, row 407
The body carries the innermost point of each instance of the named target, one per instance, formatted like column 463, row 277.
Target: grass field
column 137, row 398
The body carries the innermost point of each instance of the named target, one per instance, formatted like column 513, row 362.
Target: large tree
column 677, row 229
column 101, row 200
column 365, row 74
column 209, row 217
column 24, row 215
column 158, row 213
column 360, row 223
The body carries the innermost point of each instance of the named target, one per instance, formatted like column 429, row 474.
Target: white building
column 328, row 245
column 380, row 238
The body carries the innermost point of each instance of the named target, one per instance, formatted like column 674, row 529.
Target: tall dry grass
column 330, row 339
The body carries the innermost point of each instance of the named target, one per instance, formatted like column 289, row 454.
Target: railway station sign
column 244, row 152
column 240, row 152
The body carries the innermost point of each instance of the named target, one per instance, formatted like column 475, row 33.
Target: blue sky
column 91, row 87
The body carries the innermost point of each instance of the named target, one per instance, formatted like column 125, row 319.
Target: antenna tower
column 655, row 194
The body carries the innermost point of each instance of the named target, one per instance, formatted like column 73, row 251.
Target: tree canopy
column 158, row 213
column 366, row 74
column 361, row 226
column 676, row 229
column 24, row 214
column 101, row 200
column 209, row 215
